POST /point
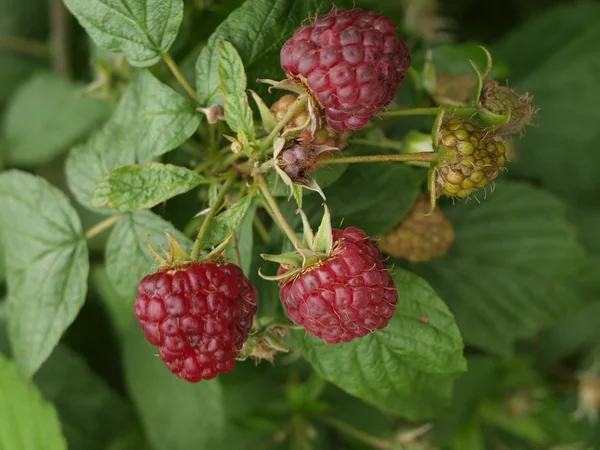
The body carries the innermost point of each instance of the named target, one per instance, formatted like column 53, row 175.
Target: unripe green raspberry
column 420, row 236
column 469, row 158
column 324, row 134
column 502, row 99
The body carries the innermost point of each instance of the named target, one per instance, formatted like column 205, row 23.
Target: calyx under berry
column 317, row 247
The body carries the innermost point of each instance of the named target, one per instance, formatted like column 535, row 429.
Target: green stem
column 366, row 438
column 425, row 156
column 384, row 143
column 285, row 227
column 60, row 22
column 209, row 217
column 100, row 227
column 297, row 106
column 176, row 71
column 433, row 111
column 25, row 46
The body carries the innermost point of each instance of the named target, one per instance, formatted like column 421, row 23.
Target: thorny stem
column 433, row 111
column 209, row 217
column 291, row 112
column 425, row 156
column 176, row 71
column 25, row 46
column 100, row 227
column 366, row 438
column 285, row 227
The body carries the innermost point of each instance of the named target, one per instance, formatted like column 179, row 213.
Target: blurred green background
column 541, row 393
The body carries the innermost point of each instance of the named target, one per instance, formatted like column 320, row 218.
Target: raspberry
column 420, row 236
column 469, row 158
column 199, row 317
column 352, row 63
column 324, row 135
column 344, row 297
column 502, row 99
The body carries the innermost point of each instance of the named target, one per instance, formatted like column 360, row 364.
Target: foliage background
column 522, row 279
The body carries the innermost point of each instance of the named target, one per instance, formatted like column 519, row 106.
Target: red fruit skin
column 348, row 296
column 199, row 317
column 353, row 63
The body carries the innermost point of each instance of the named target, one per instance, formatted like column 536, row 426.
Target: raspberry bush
column 297, row 225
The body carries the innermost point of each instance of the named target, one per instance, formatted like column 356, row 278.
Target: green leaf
column 119, row 307
column 128, row 259
column 233, row 88
column 150, row 120
column 406, row 368
column 130, row 188
column 91, row 413
column 36, row 131
column 141, row 29
column 175, row 414
column 326, row 176
column 224, row 224
column 469, row 391
column 555, row 58
column 28, row 422
column 130, row 438
column 257, row 30
column 1, row 261
column 515, row 267
column 374, row 197
column 157, row 118
column 46, row 265
column 89, row 162
column 243, row 243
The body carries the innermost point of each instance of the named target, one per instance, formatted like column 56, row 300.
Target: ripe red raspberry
column 199, row 317
column 353, row 63
column 345, row 297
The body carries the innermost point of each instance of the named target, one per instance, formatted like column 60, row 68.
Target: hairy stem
column 100, row 227
column 359, row 435
column 176, row 71
column 209, row 217
column 294, row 109
column 285, row 227
column 425, row 156
column 433, row 111
column 25, row 47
